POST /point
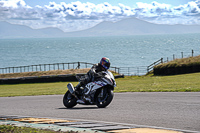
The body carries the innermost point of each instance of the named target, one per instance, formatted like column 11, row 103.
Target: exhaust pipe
column 71, row 88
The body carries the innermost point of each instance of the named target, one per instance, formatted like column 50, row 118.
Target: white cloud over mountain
column 78, row 16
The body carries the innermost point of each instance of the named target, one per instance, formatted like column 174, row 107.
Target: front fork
column 102, row 93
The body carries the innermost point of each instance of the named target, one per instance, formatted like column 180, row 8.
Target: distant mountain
column 8, row 30
column 135, row 26
column 124, row 27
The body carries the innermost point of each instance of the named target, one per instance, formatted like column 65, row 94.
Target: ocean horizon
column 123, row 51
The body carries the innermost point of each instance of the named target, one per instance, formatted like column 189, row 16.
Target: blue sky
column 73, row 15
column 112, row 2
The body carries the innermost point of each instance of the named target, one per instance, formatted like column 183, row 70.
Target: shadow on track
column 79, row 108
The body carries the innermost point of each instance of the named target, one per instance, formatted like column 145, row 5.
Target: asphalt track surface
column 178, row 110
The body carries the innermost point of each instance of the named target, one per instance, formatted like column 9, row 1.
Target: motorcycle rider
column 93, row 74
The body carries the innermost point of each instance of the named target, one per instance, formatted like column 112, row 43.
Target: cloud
column 78, row 16
column 166, row 14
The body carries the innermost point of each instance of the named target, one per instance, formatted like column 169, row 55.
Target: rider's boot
column 87, row 98
column 86, row 95
column 77, row 87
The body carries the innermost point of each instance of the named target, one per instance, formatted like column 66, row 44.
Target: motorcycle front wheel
column 69, row 100
column 104, row 97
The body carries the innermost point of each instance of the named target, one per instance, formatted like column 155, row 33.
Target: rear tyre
column 69, row 100
column 104, row 97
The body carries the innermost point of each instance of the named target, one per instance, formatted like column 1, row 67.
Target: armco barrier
column 41, row 79
column 44, row 79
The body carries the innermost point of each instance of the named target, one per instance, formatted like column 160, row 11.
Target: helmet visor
column 105, row 65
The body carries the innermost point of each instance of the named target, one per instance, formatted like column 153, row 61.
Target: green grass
column 150, row 83
column 175, row 83
column 33, row 89
column 15, row 129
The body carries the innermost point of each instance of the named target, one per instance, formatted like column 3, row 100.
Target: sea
column 123, row 51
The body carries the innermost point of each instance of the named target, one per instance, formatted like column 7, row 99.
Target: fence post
column 182, row 54
column 54, row 67
column 58, row 67
column 192, row 53
column 78, row 65
column 128, row 71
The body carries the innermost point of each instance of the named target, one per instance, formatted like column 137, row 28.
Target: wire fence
column 136, row 71
column 128, row 71
column 50, row 67
column 182, row 55
column 73, row 65
column 150, row 67
column 40, row 67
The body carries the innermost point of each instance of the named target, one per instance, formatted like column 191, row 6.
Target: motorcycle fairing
column 93, row 86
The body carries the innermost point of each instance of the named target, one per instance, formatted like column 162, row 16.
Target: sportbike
column 99, row 92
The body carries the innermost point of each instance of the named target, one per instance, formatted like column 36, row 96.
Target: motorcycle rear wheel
column 69, row 100
column 105, row 100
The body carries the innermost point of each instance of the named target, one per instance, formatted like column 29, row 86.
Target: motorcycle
column 98, row 92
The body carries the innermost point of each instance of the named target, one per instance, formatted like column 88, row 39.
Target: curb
column 84, row 126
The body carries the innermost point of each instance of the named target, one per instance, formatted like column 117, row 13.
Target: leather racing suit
column 92, row 75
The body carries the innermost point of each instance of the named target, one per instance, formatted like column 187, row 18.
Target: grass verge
column 190, row 61
column 173, row 83
column 150, row 83
column 44, row 73
column 178, row 66
column 15, row 129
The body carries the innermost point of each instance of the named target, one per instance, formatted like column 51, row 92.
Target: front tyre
column 104, row 97
column 69, row 100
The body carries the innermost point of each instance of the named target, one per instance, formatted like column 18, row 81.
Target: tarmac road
column 178, row 110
